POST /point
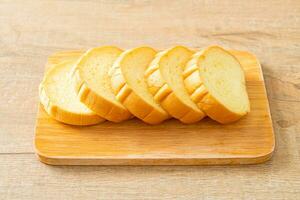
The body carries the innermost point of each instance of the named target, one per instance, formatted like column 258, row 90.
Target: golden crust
column 96, row 102
column 192, row 80
column 132, row 101
column 63, row 115
column 217, row 111
column 201, row 96
column 164, row 95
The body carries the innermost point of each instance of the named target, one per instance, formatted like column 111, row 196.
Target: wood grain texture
column 33, row 30
column 250, row 140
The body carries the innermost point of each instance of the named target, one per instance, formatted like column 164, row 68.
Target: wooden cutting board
column 250, row 140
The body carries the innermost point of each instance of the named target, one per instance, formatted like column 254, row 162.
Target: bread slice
column 165, row 82
column 59, row 98
column 216, row 81
column 130, row 87
column 93, row 85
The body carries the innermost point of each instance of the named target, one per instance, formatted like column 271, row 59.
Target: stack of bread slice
column 58, row 96
column 92, row 83
column 216, row 82
column 165, row 83
column 107, row 83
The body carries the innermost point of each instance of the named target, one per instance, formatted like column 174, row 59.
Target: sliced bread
column 93, row 85
column 216, row 82
column 165, row 82
column 130, row 87
column 59, row 98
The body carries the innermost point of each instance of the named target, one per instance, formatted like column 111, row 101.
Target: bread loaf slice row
column 93, row 85
column 165, row 82
column 215, row 81
column 59, row 99
column 130, row 87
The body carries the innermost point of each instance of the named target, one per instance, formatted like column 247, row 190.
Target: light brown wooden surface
column 31, row 31
column 248, row 141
